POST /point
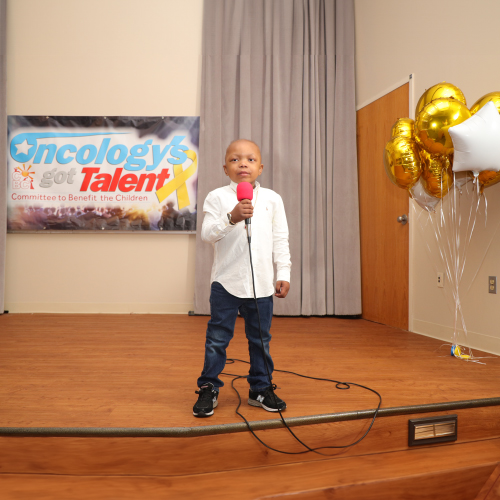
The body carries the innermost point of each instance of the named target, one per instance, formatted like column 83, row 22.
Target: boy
column 231, row 280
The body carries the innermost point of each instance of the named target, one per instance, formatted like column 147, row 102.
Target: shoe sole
column 253, row 402
column 202, row 414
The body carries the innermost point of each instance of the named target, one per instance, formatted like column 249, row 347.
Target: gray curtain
column 281, row 73
column 3, row 152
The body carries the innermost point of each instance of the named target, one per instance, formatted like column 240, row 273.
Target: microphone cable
column 339, row 385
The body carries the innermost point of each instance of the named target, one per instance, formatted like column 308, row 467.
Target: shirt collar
column 233, row 185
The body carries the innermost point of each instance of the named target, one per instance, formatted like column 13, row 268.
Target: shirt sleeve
column 215, row 224
column 281, row 250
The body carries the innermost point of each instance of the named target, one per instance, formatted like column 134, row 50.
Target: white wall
column 102, row 57
column 456, row 41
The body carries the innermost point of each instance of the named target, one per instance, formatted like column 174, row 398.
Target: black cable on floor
column 339, row 385
column 308, row 449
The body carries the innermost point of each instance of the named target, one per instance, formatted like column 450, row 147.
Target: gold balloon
column 488, row 177
column 402, row 162
column 492, row 96
column 403, row 127
column 437, row 91
column 433, row 122
column 437, row 174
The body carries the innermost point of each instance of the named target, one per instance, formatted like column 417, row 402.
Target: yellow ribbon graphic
column 178, row 183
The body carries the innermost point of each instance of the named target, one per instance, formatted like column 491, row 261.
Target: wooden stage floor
column 100, row 406
column 140, row 371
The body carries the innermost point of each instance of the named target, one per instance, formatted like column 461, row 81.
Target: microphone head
column 244, row 191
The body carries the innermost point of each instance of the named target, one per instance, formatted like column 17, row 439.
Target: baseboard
column 475, row 340
column 96, row 308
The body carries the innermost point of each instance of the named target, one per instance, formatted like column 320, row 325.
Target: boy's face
column 243, row 162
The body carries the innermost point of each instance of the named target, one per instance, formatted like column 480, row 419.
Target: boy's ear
column 261, row 168
column 225, row 169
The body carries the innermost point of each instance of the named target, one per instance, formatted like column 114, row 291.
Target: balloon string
column 452, row 245
column 456, row 249
column 469, row 237
column 440, row 240
column 485, row 208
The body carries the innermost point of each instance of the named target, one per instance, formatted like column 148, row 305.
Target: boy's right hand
column 243, row 210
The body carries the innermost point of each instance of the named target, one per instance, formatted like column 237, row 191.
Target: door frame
column 410, row 79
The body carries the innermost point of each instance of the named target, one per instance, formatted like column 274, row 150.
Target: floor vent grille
column 431, row 430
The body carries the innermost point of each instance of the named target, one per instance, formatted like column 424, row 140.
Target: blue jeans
column 224, row 309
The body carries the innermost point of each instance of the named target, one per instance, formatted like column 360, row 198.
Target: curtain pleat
column 270, row 73
column 347, row 283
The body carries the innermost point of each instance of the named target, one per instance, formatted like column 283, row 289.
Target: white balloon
column 424, row 200
column 476, row 141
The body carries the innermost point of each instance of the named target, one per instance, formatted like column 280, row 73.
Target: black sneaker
column 207, row 401
column 266, row 400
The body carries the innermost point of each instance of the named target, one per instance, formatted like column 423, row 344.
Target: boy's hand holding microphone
column 243, row 210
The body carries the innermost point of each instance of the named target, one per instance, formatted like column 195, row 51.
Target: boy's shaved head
column 242, row 140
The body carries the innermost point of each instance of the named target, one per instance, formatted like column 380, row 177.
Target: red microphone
column 244, row 191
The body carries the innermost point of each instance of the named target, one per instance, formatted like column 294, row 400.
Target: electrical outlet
column 440, row 280
column 492, row 284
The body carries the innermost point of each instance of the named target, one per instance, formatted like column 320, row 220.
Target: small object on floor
column 266, row 400
column 457, row 352
column 207, row 401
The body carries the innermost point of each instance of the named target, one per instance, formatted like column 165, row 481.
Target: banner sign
column 101, row 173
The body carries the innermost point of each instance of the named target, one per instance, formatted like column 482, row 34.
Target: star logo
column 476, row 141
column 23, row 148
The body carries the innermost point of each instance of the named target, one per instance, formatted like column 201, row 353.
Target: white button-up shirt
column 231, row 267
